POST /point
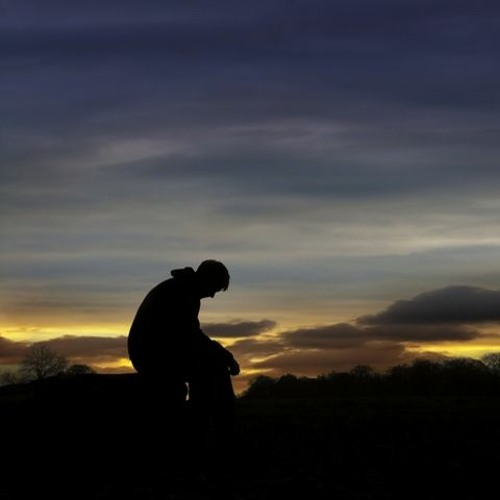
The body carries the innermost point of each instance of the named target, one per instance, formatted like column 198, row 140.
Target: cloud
column 77, row 349
column 315, row 362
column 453, row 304
column 348, row 336
column 89, row 349
column 388, row 338
column 248, row 349
column 238, row 328
column 422, row 334
column 11, row 352
column 339, row 336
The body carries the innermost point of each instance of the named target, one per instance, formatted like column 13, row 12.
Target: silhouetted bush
column 449, row 377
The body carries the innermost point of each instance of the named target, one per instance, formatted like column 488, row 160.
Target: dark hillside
column 89, row 438
column 373, row 447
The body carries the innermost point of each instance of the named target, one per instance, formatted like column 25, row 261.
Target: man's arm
column 232, row 364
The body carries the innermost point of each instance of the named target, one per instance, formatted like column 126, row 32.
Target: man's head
column 213, row 277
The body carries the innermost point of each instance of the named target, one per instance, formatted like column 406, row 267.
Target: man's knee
column 176, row 390
column 158, row 388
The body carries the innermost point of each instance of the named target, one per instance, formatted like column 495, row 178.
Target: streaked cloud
column 262, row 346
column 315, row 362
column 339, row 336
column 423, row 334
column 238, row 328
column 77, row 349
column 455, row 304
column 90, row 349
column 11, row 352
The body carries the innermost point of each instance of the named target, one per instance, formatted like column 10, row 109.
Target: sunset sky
column 339, row 156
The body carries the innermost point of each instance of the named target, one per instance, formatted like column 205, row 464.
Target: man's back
column 165, row 324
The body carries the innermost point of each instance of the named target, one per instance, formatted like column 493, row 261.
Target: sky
column 339, row 156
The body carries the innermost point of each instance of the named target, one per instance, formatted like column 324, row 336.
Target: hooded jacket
column 166, row 330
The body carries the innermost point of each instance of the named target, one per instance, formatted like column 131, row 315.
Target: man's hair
column 214, row 272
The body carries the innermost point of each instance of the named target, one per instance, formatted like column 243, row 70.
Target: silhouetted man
column 168, row 348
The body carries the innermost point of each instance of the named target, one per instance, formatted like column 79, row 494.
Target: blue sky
column 338, row 156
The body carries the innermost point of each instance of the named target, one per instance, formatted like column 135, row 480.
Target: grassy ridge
column 376, row 448
column 358, row 447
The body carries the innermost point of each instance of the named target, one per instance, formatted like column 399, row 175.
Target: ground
column 336, row 448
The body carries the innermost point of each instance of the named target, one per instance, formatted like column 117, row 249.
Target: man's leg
column 212, row 406
column 158, row 427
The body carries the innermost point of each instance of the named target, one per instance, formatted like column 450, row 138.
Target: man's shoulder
column 163, row 286
column 175, row 286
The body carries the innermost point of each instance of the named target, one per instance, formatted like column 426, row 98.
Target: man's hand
column 234, row 367
column 232, row 364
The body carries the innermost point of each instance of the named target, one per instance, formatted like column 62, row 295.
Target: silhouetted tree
column 492, row 361
column 79, row 369
column 363, row 372
column 423, row 377
column 465, row 376
column 463, row 365
column 9, row 377
column 41, row 362
column 262, row 385
column 287, row 384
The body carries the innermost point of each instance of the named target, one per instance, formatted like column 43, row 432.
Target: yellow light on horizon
column 38, row 333
column 475, row 351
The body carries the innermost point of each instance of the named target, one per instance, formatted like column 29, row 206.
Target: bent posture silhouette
column 168, row 349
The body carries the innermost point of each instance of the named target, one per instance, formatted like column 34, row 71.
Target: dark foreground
column 98, row 444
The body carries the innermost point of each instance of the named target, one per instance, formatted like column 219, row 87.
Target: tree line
column 40, row 363
column 449, row 377
column 422, row 377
